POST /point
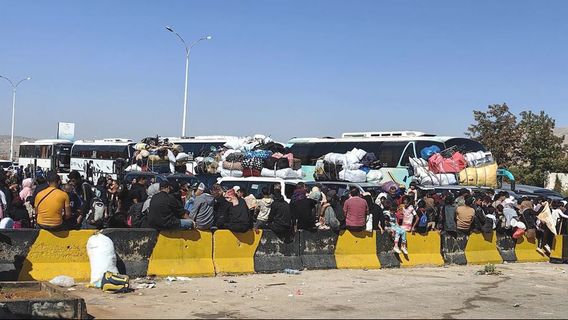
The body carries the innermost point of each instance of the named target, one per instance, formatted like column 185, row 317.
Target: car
column 182, row 178
column 532, row 191
column 343, row 187
column 5, row 164
column 254, row 185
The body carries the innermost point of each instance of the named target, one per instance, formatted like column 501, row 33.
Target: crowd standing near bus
column 46, row 203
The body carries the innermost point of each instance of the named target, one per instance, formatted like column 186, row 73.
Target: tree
column 497, row 130
column 540, row 151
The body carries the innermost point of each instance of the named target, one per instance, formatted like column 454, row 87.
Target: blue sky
column 283, row 68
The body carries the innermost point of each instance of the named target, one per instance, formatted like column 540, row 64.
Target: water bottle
column 292, row 271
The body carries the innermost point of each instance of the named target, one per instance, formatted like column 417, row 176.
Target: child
column 263, row 208
column 391, row 225
column 408, row 214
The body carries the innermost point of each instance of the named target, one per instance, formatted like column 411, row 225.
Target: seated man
column 165, row 212
column 52, row 205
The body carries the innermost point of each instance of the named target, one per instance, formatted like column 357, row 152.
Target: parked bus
column 47, row 154
column 393, row 149
column 95, row 158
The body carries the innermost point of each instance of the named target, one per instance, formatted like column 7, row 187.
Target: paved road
column 521, row 291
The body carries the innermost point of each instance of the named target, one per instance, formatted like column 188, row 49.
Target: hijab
column 26, row 189
column 152, row 190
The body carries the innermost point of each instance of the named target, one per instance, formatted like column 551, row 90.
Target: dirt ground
column 523, row 290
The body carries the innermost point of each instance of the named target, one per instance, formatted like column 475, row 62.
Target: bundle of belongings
column 158, row 155
column 258, row 156
column 356, row 165
column 449, row 167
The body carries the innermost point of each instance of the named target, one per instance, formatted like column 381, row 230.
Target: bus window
column 44, row 152
column 464, row 145
column 408, row 153
column 27, row 151
column 424, row 144
column 390, row 152
column 302, row 151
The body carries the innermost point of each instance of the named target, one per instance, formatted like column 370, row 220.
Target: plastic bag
column 102, row 257
column 63, row 281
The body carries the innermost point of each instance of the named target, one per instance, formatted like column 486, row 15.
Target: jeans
column 186, row 224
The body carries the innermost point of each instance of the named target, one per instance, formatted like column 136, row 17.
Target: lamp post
column 14, row 87
column 187, row 52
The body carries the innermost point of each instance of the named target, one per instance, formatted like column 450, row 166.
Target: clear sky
column 282, row 68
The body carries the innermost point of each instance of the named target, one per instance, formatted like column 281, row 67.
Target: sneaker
column 404, row 250
column 396, row 249
column 547, row 248
column 539, row 250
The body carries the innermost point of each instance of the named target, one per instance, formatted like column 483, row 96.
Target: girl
column 408, row 214
column 391, row 225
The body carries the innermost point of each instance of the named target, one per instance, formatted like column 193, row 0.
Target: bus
column 47, row 154
column 392, row 148
column 199, row 146
column 96, row 158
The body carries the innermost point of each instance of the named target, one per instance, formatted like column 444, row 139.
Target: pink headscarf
column 26, row 188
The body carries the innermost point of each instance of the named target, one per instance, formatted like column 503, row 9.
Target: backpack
column 423, row 222
column 97, row 211
column 115, row 283
column 136, row 215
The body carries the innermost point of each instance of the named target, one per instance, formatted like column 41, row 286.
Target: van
column 254, row 185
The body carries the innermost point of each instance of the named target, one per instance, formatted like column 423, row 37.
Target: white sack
column 374, row 175
column 182, row 156
column 287, row 173
column 441, row 179
column 102, row 257
column 353, row 175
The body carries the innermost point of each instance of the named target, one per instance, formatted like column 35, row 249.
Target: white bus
column 199, row 146
column 95, row 158
column 47, row 154
column 393, row 149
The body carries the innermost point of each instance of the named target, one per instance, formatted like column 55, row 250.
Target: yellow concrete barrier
column 233, row 253
column 58, row 253
column 559, row 250
column 182, row 253
column 423, row 250
column 357, row 250
column 525, row 250
column 482, row 248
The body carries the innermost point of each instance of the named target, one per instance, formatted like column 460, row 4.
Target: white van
column 254, row 185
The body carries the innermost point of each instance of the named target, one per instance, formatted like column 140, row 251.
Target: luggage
column 287, row 173
column 368, row 159
column 250, row 172
column 235, row 157
column 229, row 173
column 232, row 165
column 439, row 164
column 262, row 154
column 253, row 163
column 353, row 175
column 484, row 176
column 115, row 283
column 440, row 179
column 296, row 164
column 327, row 171
column 427, row 152
column 273, row 163
column 476, row 159
column 374, row 176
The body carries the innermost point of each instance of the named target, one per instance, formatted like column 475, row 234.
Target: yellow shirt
column 50, row 210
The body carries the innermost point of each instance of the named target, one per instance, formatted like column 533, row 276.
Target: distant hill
column 5, row 145
column 562, row 132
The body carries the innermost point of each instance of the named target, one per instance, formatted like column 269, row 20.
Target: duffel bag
column 248, row 172
column 233, row 165
column 484, row 176
column 253, row 163
column 438, row 164
column 427, row 152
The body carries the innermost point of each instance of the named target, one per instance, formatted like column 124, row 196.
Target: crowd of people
column 46, row 203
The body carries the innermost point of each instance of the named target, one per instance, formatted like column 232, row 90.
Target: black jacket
column 221, row 209
column 303, row 213
column 238, row 219
column 279, row 218
column 164, row 212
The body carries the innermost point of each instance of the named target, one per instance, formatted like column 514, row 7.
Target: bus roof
column 372, row 139
column 202, row 139
column 47, row 142
column 102, row 142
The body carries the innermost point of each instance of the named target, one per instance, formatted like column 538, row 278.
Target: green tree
column 540, row 151
column 497, row 130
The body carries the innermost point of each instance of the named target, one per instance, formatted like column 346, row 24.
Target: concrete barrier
column 525, row 250
column 133, row 248
column 182, row 253
column 14, row 248
column 506, row 247
column 233, row 253
column 423, row 250
column 453, row 248
column 482, row 248
column 317, row 249
column 58, row 253
column 357, row 250
column 559, row 250
column 276, row 253
column 385, row 244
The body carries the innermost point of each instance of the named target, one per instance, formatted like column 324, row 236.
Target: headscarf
column 152, row 190
column 315, row 194
column 26, row 189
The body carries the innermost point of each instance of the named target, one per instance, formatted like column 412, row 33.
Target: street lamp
column 187, row 52
column 14, row 87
